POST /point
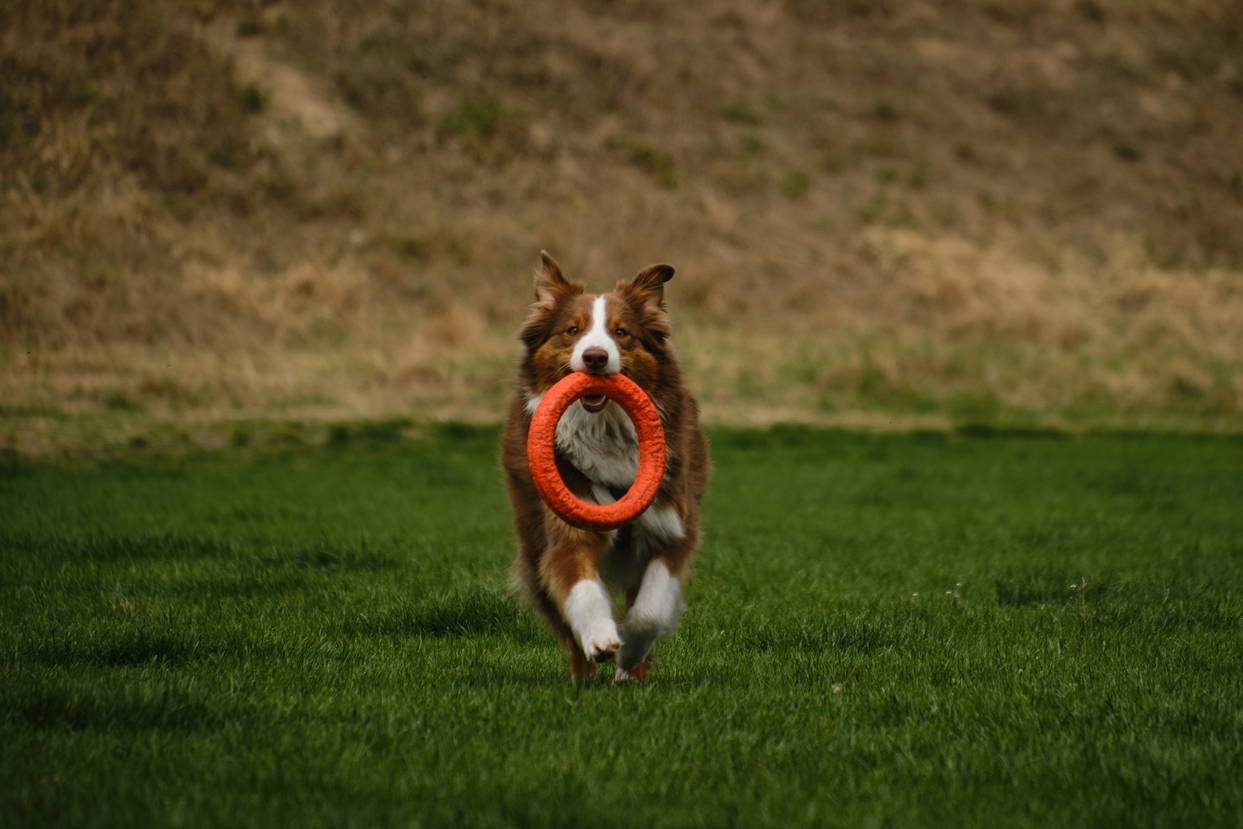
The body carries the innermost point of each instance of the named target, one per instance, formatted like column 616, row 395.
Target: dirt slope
column 977, row 211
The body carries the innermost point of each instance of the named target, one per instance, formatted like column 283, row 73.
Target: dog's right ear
column 551, row 286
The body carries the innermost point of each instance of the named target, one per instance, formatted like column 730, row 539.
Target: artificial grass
column 1011, row 629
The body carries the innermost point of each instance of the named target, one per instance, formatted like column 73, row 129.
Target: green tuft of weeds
column 740, row 112
column 252, row 98
column 1128, row 151
column 248, row 25
column 477, row 118
column 119, row 401
column 654, row 161
column 795, row 184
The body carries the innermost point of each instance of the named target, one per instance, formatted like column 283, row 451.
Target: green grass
column 994, row 630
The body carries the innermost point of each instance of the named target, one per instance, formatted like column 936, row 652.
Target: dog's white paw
column 590, row 616
column 602, row 645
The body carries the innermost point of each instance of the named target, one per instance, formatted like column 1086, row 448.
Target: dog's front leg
column 570, row 573
column 653, row 614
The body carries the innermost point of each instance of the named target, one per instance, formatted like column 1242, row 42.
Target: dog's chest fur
column 602, row 446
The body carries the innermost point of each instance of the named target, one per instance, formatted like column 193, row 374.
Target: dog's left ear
column 648, row 286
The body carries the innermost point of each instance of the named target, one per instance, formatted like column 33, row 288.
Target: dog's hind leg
column 653, row 614
column 654, row 609
column 639, row 672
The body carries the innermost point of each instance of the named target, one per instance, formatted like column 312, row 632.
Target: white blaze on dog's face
column 596, row 352
column 623, row 331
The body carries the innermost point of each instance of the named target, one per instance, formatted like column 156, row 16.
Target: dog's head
column 623, row 331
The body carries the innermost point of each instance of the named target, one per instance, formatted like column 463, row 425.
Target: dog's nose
column 596, row 359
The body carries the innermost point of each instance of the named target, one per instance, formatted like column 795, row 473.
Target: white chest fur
column 603, row 446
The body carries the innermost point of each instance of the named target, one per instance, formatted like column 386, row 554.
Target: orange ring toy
column 541, row 442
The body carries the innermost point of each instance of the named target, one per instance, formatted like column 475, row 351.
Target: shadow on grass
column 142, row 648
column 477, row 612
column 1047, row 587
column 110, row 548
column 83, row 709
column 317, row 555
column 162, row 646
column 861, row 636
column 1201, row 603
column 325, row 556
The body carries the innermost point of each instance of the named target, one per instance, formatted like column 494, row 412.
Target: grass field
column 883, row 630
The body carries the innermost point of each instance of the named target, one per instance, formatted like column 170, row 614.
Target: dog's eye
column 621, row 332
column 573, row 329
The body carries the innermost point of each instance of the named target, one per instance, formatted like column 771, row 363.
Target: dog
column 567, row 572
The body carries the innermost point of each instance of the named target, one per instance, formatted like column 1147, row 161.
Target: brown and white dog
column 566, row 572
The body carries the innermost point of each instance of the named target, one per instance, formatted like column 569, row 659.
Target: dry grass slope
column 976, row 211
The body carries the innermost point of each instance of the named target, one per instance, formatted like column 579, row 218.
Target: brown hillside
column 1016, row 212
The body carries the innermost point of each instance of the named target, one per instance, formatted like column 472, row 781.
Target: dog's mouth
column 594, row 402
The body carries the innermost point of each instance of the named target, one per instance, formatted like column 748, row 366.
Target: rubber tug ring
column 541, row 448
